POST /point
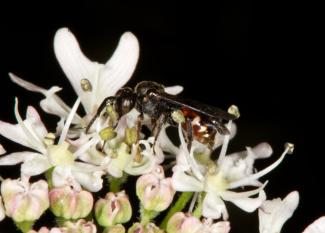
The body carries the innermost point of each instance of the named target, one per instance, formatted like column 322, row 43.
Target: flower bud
column 148, row 228
column 154, row 190
column 183, row 223
column 114, row 209
column 46, row 230
column 115, row 229
column 81, row 226
column 69, row 203
column 24, row 201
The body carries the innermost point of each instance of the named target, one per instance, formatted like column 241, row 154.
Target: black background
column 254, row 55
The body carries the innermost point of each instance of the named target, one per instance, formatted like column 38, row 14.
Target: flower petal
column 186, row 183
column 249, row 204
column 213, row 207
column 75, row 64
column 17, row 157
column 35, row 166
column 274, row 213
column 120, row 67
column 2, row 150
column 174, row 90
column 318, row 226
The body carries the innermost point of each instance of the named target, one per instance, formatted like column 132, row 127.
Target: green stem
column 181, row 202
column 116, row 183
column 198, row 209
column 147, row 215
column 25, row 226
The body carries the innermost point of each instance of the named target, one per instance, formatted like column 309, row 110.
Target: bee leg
column 139, row 125
column 106, row 102
column 157, row 128
column 189, row 133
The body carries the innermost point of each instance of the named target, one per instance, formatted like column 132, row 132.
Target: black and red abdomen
column 203, row 130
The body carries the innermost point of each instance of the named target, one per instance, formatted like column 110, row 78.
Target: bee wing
column 210, row 111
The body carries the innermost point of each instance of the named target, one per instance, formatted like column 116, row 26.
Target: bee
column 199, row 121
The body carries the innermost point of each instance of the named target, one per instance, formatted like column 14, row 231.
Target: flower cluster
column 182, row 184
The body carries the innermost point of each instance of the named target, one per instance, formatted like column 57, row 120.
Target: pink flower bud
column 24, row 201
column 154, row 190
column 183, row 223
column 46, row 230
column 114, row 209
column 81, row 226
column 148, row 228
column 69, row 203
column 115, row 229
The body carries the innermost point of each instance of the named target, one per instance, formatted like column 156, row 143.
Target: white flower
column 318, row 226
column 32, row 133
column 274, row 213
column 217, row 179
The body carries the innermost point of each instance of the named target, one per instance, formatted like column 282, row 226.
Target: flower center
column 59, row 155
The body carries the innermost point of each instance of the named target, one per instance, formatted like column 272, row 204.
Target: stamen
column 233, row 110
column 30, row 136
column 262, row 172
column 86, row 146
column 224, row 144
column 190, row 159
column 194, row 199
column 69, row 121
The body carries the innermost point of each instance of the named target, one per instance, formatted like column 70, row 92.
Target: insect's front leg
column 109, row 101
column 157, row 127
column 189, row 133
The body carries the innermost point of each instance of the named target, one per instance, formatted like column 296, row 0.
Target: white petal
column 186, row 183
column 249, row 204
column 262, row 150
column 174, row 90
column 17, row 157
column 25, row 84
column 75, row 64
column 213, row 207
column 2, row 150
column 318, row 226
column 273, row 214
column 35, row 166
column 34, row 122
column 120, row 67
column 92, row 181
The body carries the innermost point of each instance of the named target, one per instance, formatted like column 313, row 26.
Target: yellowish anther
column 49, row 139
column 107, row 133
column 138, row 156
column 290, row 147
column 131, row 136
column 178, row 116
column 85, row 85
column 113, row 116
column 233, row 110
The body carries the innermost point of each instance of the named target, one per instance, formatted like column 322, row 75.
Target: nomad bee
column 199, row 121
